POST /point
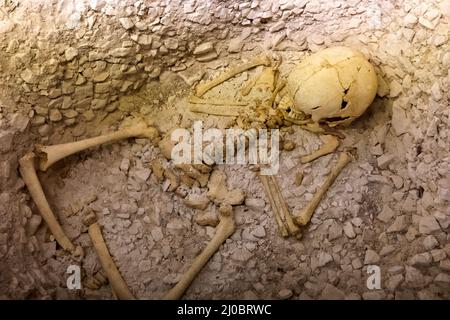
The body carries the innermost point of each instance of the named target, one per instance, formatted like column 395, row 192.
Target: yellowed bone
column 29, row 176
column 305, row 215
column 215, row 110
column 224, row 229
column 330, row 145
column 116, row 281
column 51, row 154
column 215, row 102
column 258, row 61
column 276, row 211
column 281, row 203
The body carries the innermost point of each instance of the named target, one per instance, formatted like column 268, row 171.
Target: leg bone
column 29, row 176
column 116, row 281
column 51, row 154
column 203, row 88
column 330, row 145
column 307, row 212
column 276, row 211
column 225, row 229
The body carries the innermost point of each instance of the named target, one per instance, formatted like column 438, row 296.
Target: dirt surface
column 389, row 207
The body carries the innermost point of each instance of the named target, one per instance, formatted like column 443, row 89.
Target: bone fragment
column 157, row 169
column 116, row 281
column 29, row 176
column 330, row 145
column 226, row 111
column 204, row 87
column 224, row 229
column 215, row 102
column 218, row 191
column 305, row 215
column 51, row 154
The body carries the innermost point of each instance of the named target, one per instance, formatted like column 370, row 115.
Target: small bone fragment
column 218, row 191
column 157, row 169
column 116, row 281
column 207, row 218
column 299, row 178
column 330, row 145
column 204, row 87
column 288, row 145
column 173, row 180
column 51, row 154
column 305, row 215
column 224, row 229
column 191, row 171
column 196, row 201
column 215, row 102
column 29, row 176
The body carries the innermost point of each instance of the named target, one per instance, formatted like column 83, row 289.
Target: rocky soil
column 75, row 69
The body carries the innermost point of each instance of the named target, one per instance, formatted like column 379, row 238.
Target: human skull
column 335, row 86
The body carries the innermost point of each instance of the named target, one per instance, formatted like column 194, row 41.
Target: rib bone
column 29, row 176
column 203, row 88
column 116, row 281
column 225, row 229
column 51, row 154
column 330, row 145
column 305, row 215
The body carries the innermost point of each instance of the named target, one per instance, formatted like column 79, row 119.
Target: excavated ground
column 389, row 207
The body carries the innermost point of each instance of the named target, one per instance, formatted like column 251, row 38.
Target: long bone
column 330, row 145
column 51, row 154
column 216, row 102
column 258, row 61
column 275, row 186
column 29, row 176
column 224, row 229
column 116, row 281
column 306, row 213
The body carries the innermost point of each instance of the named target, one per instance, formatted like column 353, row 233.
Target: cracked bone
column 306, row 213
column 218, row 191
column 330, row 145
column 116, row 281
column 224, row 230
column 258, row 61
column 29, row 176
column 51, row 154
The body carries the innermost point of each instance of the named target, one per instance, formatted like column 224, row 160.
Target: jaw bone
column 51, row 154
column 224, row 229
column 305, row 215
column 29, row 176
column 118, row 285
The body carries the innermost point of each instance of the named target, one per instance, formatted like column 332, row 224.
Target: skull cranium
column 333, row 86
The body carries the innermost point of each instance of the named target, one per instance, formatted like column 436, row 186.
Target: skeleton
column 302, row 103
column 330, row 88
